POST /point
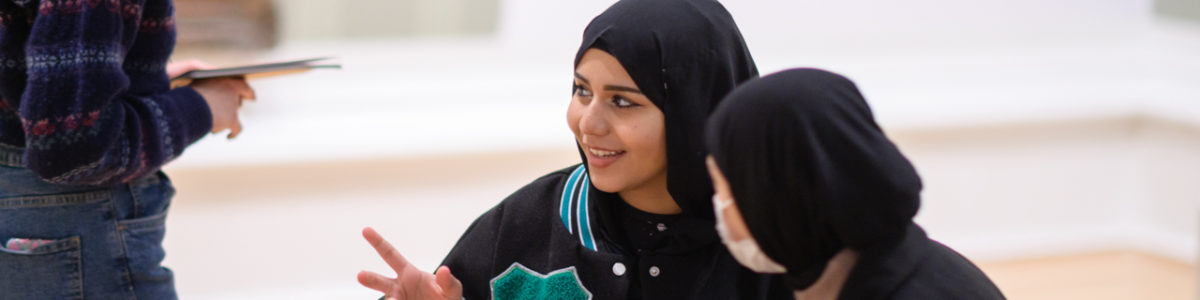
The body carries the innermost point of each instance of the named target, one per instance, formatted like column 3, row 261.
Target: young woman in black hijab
column 634, row 220
column 808, row 185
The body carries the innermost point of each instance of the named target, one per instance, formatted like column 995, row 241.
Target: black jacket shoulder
column 916, row 267
column 946, row 274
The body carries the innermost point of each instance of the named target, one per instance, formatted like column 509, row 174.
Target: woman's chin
column 607, row 188
column 605, row 183
column 615, row 181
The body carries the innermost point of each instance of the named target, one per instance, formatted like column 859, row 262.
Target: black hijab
column 684, row 55
column 810, row 170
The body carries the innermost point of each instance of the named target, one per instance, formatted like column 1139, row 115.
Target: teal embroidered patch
column 519, row 282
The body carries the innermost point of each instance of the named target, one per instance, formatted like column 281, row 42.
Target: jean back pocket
column 49, row 271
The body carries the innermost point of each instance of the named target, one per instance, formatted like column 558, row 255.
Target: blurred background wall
column 1059, row 141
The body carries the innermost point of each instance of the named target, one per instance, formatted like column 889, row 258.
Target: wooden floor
column 1095, row 276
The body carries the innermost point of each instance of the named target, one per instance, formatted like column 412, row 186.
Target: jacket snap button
column 618, row 269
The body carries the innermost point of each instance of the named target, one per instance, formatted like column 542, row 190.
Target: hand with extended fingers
column 410, row 282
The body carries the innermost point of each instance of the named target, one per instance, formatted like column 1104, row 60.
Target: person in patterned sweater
column 87, row 119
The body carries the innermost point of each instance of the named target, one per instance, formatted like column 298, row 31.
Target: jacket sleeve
column 473, row 258
column 83, row 121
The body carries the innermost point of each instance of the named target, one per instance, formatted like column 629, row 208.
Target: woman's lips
column 600, row 157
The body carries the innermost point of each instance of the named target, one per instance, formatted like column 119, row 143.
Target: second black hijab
column 810, row 170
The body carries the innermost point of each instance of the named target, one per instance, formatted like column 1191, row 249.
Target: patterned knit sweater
column 84, row 90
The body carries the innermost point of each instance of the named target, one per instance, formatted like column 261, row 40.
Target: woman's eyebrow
column 621, row 88
column 615, row 88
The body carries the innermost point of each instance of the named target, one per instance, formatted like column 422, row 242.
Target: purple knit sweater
column 84, row 90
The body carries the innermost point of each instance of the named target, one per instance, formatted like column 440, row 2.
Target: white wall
column 1070, row 186
column 1169, row 205
column 315, row 20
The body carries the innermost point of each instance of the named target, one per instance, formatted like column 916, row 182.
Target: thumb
column 451, row 287
column 235, row 130
column 178, row 68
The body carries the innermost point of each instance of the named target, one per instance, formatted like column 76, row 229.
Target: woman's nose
column 594, row 121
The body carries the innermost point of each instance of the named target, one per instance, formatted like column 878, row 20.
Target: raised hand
column 410, row 283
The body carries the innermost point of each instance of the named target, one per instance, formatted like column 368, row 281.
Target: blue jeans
column 91, row 242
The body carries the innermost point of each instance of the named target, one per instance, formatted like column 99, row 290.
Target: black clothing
column 812, row 174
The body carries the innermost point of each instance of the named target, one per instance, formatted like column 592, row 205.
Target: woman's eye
column 581, row 91
column 621, row 102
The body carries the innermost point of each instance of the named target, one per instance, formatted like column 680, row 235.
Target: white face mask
column 745, row 251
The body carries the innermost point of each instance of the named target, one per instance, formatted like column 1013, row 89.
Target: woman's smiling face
column 618, row 128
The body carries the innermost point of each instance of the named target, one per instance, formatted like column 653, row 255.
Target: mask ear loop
column 718, row 209
column 745, row 251
column 720, row 205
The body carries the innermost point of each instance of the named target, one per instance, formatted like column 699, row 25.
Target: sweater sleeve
column 97, row 107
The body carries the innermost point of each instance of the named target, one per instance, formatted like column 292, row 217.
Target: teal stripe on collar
column 567, row 197
column 585, row 229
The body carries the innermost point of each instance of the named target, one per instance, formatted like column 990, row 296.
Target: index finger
column 385, row 250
